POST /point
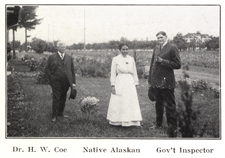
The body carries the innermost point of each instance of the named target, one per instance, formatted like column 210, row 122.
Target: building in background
column 12, row 19
column 198, row 37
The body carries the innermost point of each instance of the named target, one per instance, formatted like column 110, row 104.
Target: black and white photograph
column 144, row 73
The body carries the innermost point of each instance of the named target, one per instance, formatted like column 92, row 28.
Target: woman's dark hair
column 122, row 44
column 161, row 33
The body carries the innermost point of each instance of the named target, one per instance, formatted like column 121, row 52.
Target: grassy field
column 29, row 110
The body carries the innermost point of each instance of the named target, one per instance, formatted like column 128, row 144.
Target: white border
column 74, row 146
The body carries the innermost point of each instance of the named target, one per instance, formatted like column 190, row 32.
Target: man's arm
column 73, row 73
column 175, row 62
column 47, row 68
column 150, row 69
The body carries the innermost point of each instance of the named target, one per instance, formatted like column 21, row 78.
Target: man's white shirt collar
column 61, row 54
column 164, row 44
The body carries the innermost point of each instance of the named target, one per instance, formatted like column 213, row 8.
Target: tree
column 153, row 43
column 52, row 46
column 17, row 44
column 123, row 39
column 113, row 44
column 192, row 44
column 198, row 32
column 28, row 20
column 202, row 45
column 213, row 43
column 179, row 41
column 38, row 45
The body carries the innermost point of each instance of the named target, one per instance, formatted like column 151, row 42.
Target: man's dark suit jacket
column 68, row 65
column 161, row 75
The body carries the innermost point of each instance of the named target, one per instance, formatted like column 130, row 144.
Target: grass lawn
column 30, row 115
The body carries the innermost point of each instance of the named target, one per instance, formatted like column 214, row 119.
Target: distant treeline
column 114, row 45
column 39, row 45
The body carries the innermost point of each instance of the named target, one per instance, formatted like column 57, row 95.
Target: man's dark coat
column 161, row 75
column 52, row 65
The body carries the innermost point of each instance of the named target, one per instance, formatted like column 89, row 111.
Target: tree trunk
column 25, row 39
column 14, row 53
column 135, row 55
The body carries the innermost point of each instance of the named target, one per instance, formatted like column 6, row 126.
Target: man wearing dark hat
column 60, row 71
column 161, row 79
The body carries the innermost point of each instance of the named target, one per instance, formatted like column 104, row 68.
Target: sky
column 104, row 23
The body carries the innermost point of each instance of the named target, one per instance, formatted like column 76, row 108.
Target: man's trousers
column 60, row 86
column 166, row 96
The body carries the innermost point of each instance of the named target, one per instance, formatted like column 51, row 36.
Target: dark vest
column 60, row 70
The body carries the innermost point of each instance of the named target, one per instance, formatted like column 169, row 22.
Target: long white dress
column 124, row 106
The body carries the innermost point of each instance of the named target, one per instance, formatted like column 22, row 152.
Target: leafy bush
column 216, row 93
column 38, row 45
column 186, row 116
column 27, row 57
column 41, row 77
column 51, row 47
column 89, row 106
column 39, row 66
column 140, row 72
column 33, row 64
column 91, row 67
column 200, row 85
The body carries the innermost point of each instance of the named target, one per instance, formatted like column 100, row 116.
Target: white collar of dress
column 124, row 56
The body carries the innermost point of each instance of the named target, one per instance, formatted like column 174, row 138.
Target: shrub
column 91, row 67
column 27, row 57
column 51, row 46
column 33, row 64
column 216, row 93
column 41, row 77
column 200, row 85
column 38, row 45
column 140, row 72
column 186, row 116
column 89, row 106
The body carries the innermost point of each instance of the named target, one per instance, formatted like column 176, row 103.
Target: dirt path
column 200, row 76
column 214, row 80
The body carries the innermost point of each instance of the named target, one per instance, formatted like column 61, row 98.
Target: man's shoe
column 172, row 134
column 53, row 119
column 156, row 127
column 65, row 116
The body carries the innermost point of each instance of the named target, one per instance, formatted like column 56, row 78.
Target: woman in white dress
column 124, row 106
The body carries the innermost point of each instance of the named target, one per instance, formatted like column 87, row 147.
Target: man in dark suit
column 161, row 78
column 60, row 71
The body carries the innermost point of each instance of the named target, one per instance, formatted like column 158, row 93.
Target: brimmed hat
column 73, row 93
column 151, row 95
